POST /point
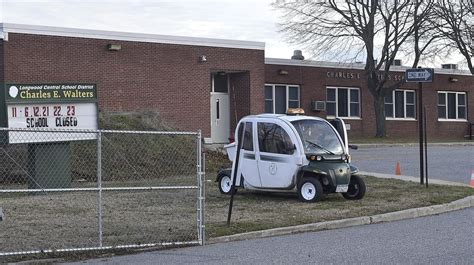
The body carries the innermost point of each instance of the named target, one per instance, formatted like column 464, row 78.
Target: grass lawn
column 256, row 211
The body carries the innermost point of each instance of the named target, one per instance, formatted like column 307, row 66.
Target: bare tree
column 454, row 20
column 375, row 30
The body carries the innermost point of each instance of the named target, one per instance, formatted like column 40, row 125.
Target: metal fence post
column 200, row 221
column 99, row 183
column 204, row 199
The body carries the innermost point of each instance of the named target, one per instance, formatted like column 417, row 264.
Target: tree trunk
column 379, row 106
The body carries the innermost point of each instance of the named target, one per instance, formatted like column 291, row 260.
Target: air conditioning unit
column 318, row 105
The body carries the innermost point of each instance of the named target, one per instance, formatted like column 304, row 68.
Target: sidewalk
column 413, row 179
column 471, row 143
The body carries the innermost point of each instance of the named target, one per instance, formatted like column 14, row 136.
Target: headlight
column 314, row 158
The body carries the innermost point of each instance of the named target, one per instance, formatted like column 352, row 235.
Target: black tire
column 224, row 181
column 310, row 190
column 356, row 189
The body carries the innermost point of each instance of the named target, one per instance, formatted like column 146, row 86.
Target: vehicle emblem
column 273, row 168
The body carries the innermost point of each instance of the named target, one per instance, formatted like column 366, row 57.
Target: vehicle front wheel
column 225, row 184
column 356, row 189
column 310, row 190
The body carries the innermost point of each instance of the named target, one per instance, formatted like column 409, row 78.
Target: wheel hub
column 308, row 191
column 225, row 184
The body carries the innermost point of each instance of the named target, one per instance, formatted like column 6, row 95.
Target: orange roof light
column 295, row 111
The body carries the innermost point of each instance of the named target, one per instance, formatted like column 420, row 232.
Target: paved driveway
column 452, row 163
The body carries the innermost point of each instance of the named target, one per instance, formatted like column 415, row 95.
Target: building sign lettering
column 23, row 93
column 343, row 75
column 352, row 75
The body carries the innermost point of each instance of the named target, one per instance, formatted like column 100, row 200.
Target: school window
column 452, row 106
column 278, row 98
column 343, row 102
column 400, row 104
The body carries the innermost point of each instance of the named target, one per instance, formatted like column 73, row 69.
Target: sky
column 226, row 19
column 250, row 20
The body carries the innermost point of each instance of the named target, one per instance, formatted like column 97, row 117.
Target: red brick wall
column 141, row 76
column 314, row 80
column 169, row 79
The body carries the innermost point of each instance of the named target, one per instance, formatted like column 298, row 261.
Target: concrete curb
column 365, row 220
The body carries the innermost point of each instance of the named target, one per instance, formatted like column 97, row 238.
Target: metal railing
column 80, row 190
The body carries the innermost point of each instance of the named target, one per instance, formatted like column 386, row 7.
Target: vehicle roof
column 289, row 118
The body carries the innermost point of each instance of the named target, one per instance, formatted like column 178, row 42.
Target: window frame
column 287, row 92
column 348, row 103
column 393, row 118
column 446, row 105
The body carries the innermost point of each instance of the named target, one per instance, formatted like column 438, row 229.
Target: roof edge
column 356, row 66
column 127, row 36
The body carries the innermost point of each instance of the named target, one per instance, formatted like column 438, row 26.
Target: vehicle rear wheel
column 356, row 189
column 225, row 183
column 310, row 190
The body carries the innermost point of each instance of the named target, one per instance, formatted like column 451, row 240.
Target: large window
column 452, row 105
column 278, row 98
column 273, row 139
column 400, row 104
column 343, row 102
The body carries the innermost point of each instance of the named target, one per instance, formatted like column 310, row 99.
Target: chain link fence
column 90, row 190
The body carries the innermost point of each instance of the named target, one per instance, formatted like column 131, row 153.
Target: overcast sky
column 253, row 20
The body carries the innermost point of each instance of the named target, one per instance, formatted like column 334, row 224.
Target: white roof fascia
column 357, row 66
column 129, row 36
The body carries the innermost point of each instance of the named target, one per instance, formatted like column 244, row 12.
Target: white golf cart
column 291, row 153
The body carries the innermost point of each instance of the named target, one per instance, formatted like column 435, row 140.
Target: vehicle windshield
column 318, row 137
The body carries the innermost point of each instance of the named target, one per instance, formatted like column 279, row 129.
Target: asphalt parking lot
column 446, row 162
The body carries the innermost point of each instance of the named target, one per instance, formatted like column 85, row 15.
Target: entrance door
column 220, row 108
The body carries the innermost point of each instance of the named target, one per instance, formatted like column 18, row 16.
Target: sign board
column 51, row 106
column 419, row 75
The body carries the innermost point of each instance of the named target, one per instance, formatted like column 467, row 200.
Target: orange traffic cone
column 472, row 179
column 398, row 171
